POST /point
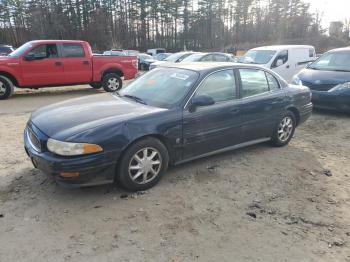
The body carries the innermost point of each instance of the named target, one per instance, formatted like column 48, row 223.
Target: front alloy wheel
column 142, row 164
column 145, row 165
column 6, row 87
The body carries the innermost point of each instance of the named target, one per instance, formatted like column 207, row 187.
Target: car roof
column 281, row 47
column 56, row 41
column 340, row 49
column 208, row 66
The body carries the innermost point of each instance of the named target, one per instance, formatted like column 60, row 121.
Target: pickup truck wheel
column 6, row 87
column 112, row 82
column 96, row 85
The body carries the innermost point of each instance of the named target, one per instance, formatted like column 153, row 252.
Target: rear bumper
column 331, row 100
column 94, row 169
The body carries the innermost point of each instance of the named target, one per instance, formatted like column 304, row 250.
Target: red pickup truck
column 45, row 63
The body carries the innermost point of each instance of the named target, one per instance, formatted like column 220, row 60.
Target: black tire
column 108, row 81
column 124, row 173
column 96, row 85
column 283, row 133
column 6, row 87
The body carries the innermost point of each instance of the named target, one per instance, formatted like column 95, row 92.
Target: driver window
column 44, row 51
column 283, row 55
column 221, row 86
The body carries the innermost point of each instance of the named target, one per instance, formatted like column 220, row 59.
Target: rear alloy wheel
column 6, row 87
column 284, row 130
column 143, row 164
column 112, row 82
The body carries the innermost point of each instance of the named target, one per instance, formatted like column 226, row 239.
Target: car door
column 282, row 65
column 42, row 66
column 210, row 128
column 263, row 103
column 77, row 64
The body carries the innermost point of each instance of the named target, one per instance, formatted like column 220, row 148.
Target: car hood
column 320, row 77
column 7, row 59
column 68, row 118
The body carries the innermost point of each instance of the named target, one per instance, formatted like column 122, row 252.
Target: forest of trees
column 173, row 24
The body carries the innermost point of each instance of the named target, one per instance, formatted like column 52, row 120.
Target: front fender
column 12, row 69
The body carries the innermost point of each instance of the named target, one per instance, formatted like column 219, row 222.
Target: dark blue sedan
column 329, row 80
column 168, row 116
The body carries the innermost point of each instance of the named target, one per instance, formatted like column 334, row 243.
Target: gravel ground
column 255, row 204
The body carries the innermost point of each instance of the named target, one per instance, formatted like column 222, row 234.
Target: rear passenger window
column 273, row 83
column 221, row 86
column 207, row 58
column 73, row 50
column 220, row 58
column 254, row 82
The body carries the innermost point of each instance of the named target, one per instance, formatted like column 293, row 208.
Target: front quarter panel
column 116, row 137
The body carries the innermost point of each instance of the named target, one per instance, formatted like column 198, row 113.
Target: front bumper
column 331, row 100
column 94, row 169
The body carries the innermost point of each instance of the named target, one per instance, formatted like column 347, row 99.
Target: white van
column 285, row 60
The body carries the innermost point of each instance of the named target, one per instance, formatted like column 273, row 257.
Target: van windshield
column 257, row 57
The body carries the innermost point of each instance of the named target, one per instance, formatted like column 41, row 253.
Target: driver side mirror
column 30, row 57
column 201, row 100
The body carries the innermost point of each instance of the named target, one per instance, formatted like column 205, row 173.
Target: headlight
column 71, row 149
column 296, row 80
column 340, row 87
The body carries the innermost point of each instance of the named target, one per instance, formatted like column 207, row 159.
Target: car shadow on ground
column 253, row 160
column 55, row 91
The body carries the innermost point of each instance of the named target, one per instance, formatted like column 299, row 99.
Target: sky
column 332, row 10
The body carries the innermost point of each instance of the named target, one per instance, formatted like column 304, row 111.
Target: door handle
column 287, row 66
column 58, row 63
column 86, row 62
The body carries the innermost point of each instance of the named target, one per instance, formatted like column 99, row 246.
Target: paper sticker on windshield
column 179, row 76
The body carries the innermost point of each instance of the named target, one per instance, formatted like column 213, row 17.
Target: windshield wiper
column 135, row 98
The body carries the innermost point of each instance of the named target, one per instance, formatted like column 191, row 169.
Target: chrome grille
column 33, row 140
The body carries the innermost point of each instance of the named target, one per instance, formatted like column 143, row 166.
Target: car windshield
column 175, row 57
column 193, row 58
column 336, row 61
column 21, row 50
column 257, row 57
column 161, row 87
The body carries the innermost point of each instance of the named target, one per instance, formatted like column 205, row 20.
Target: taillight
column 134, row 63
